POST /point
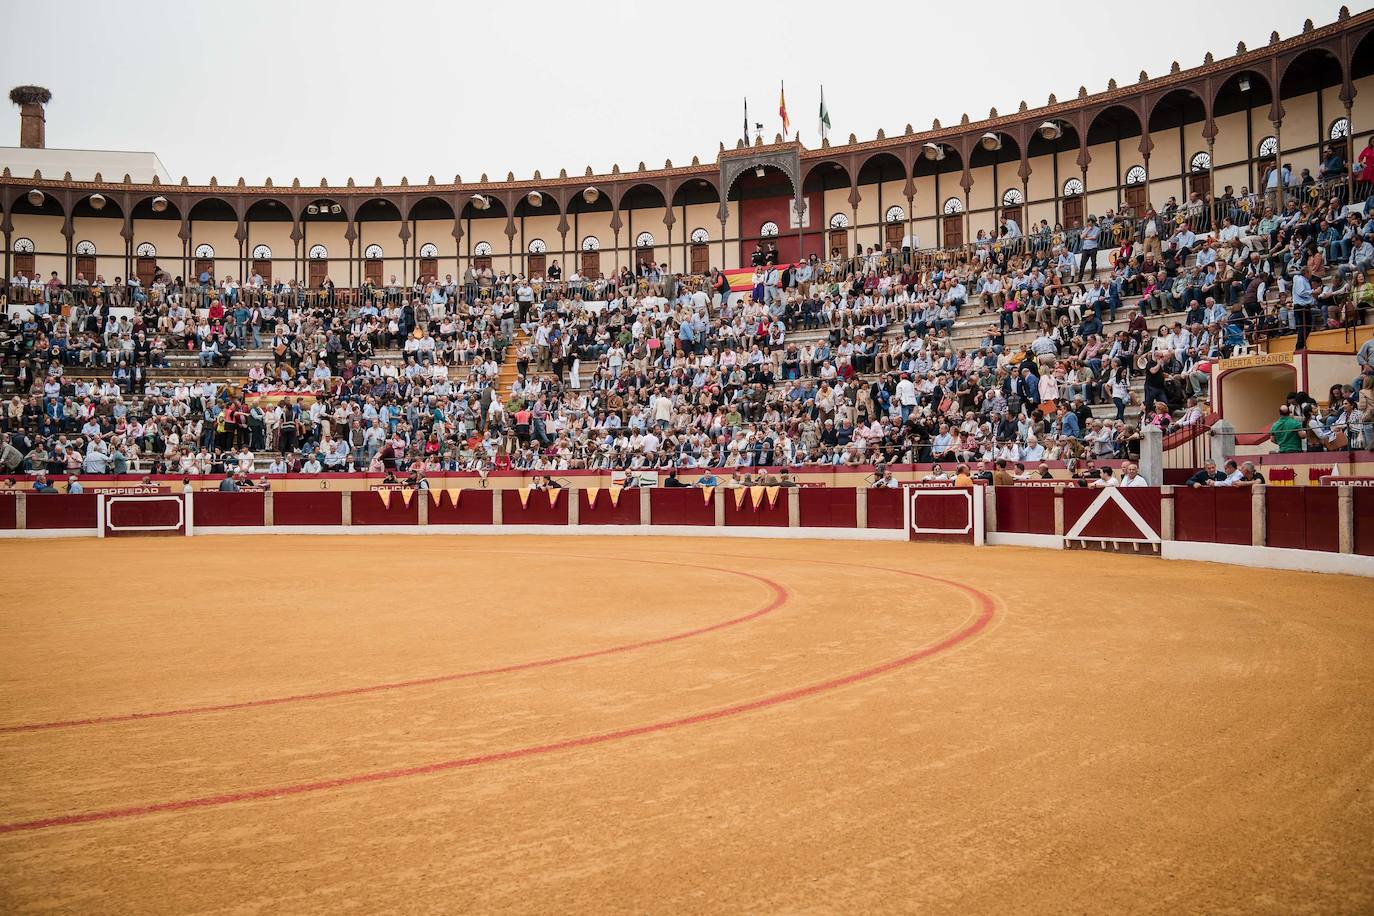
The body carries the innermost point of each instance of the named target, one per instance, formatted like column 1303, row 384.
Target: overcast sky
column 419, row 87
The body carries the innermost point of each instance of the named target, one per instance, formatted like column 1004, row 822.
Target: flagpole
column 746, row 120
column 823, row 135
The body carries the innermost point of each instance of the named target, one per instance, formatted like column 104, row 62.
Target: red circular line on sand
column 984, row 601
column 779, row 598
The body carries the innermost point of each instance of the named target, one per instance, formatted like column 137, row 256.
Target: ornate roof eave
column 710, row 171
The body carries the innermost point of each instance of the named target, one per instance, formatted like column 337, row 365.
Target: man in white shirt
column 906, row 396
column 1131, row 476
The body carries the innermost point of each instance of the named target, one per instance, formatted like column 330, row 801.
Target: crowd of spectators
column 886, row 357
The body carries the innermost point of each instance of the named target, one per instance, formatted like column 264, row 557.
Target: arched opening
column 641, row 209
column 1307, row 142
column 486, row 218
column 1119, row 127
column 826, row 183
column 212, row 222
column 696, row 202
column 377, row 222
column 535, row 215
column 882, row 178
column 588, row 216
column 1242, row 103
column 430, row 218
column 324, row 226
column 268, row 223
column 1176, row 131
column 943, row 164
column 993, row 151
column 765, row 198
column 1053, row 150
column 88, row 218
column 1248, row 395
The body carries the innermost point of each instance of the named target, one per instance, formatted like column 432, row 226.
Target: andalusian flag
column 825, row 116
column 782, row 111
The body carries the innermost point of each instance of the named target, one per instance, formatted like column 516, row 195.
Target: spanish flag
column 782, row 110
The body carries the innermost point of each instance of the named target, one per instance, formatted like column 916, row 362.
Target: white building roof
column 112, row 165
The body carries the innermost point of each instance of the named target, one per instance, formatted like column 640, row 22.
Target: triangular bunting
column 772, row 495
column 592, row 493
column 436, row 496
column 406, row 496
column 707, row 493
column 740, row 493
column 385, row 497
column 454, row 494
column 524, row 497
column 553, row 496
column 615, row 495
column 756, row 496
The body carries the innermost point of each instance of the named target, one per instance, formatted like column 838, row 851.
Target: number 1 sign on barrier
column 945, row 513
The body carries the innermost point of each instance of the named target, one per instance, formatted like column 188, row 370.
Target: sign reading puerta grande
column 1256, row 359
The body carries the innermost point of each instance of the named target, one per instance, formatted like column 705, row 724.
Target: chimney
column 31, row 100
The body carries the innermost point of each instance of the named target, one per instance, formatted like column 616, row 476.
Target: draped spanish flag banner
column 615, row 495
column 524, row 497
column 592, row 493
column 782, row 110
column 741, row 279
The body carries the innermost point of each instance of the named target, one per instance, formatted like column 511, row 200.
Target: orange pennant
column 772, row 496
column 553, row 496
column 454, row 494
column 707, row 493
column 406, row 496
column 385, row 497
column 740, row 493
column 615, row 495
column 436, row 496
column 756, row 496
column 592, row 493
column 524, row 497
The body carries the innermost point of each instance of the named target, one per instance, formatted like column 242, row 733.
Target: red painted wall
column 682, row 507
column 368, row 508
column 305, row 508
column 474, row 508
column 625, row 511
column 1025, row 510
column 827, row 507
column 754, row 212
column 885, row 508
column 1364, row 521
column 749, row 515
column 48, row 511
column 1303, row 518
column 535, row 512
column 9, row 511
column 213, row 508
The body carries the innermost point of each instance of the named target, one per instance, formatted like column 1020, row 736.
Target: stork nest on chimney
column 30, row 95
